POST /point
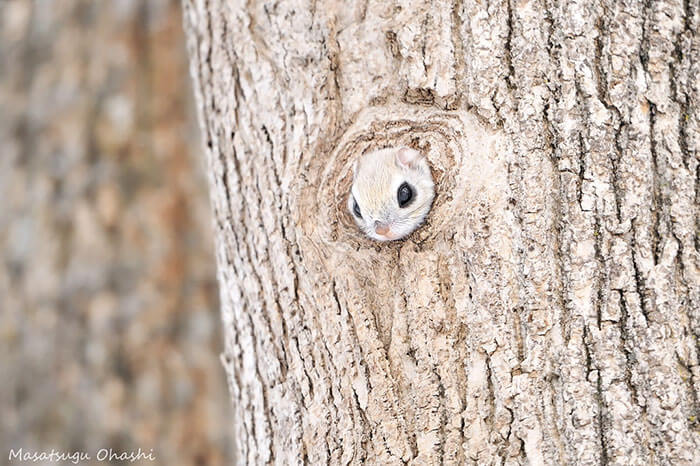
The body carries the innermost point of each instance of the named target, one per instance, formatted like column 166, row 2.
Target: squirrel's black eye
column 356, row 208
column 404, row 195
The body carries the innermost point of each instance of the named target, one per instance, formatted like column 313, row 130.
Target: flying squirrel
column 392, row 192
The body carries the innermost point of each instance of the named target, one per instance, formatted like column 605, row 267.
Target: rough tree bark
column 548, row 313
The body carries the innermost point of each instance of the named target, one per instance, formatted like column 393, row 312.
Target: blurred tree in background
column 109, row 325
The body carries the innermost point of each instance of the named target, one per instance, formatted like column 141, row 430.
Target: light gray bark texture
column 547, row 313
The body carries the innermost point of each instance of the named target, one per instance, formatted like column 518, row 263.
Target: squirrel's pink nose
column 381, row 228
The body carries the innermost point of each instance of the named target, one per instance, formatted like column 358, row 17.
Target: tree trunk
column 547, row 313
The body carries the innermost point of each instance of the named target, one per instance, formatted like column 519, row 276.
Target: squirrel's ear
column 407, row 157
